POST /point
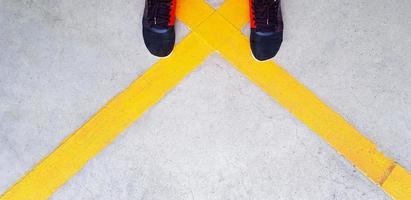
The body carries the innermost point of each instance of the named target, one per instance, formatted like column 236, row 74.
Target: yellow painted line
column 398, row 184
column 301, row 102
column 235, row 12
column 193, row 12
column 109, row 122
column 295, row 97
column 218, row 30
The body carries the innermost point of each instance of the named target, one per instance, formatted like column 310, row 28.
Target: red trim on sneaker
column 172, row 13
column 252, row 21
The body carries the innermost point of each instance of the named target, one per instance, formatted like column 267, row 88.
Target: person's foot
column 266, row 28
column 158, row 26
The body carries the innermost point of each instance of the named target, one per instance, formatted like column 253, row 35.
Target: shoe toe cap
column 160, row 42
column 265, row 45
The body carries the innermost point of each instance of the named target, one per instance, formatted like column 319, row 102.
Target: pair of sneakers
column 265, row 21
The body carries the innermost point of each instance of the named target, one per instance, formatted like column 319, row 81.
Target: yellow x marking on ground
column 85, row 143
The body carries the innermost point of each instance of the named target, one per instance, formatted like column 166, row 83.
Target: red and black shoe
column 158, row 26
column 266, row 28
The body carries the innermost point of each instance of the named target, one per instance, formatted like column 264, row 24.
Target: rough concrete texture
column 219, row 137
column 355, row 55
column 216, row 136
column 60, row 62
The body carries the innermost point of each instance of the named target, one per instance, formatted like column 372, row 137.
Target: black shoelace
column 159, row 12
column 265, row 14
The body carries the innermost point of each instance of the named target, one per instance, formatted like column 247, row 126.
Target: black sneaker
column 266, row 28
column 158, row 26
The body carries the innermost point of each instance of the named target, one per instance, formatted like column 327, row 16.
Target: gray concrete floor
column 216, row 136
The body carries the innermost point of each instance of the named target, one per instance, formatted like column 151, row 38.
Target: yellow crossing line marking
column 128, row 106
column 84, row 144
column 398, row 183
